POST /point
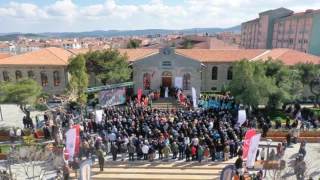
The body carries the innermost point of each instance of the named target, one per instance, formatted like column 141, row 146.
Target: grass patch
column 316, row 110
column 273, row 113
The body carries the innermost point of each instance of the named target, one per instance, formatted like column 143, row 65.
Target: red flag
column 248, row 137
column 153, row 73
column 139, row 95
column 77, row 148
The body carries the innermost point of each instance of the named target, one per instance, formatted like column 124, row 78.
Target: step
column 299, row 140
column 176, row 165
column 161, row 176
column 167, row 171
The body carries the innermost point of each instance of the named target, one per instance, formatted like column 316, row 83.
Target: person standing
column 226, row 151
column 188, row 153
column 145, row 150
column 289, row 139
column 232, row 149
column 174, row 149
column 166, row 151
column 296, row 134
column 114, row 151
column 265, row 129
column 240, row 151
column 75, row 166
column 66, row 171
column 206, row 153
column 11, row 134
column 200, row 153
column 257, row 154
column 182, row 148
column 18, row 133
column 131, row 150
column 123, row 151
column 99, row 154
column 303, row 151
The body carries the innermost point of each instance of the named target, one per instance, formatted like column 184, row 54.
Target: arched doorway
column 166, row 79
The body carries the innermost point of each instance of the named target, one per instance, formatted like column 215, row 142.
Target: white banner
column 178, row 82
column 253, row 147
column 194, row 97
column 242, row 116
column 71, row 142
column 98, row 116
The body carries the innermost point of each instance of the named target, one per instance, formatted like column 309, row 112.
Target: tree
column 108, row 65
column 132, row 44
column 24, row 91
column 310, row 75
column 186, row 44
column 287, row 87
column 250, row 85
column 79, row 80
column 35, row 162
column 224, row 88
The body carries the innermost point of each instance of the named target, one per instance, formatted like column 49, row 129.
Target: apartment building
column 24, row 48
column 282, row 28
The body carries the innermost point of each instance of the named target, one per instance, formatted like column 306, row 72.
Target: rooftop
column 5, row 55
column 45, row 57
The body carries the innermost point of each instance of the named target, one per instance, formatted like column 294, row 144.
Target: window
column 229, row 75
column 146, row 81
column 305, row 41
column 56, row 78
column 201, row 75
column 291, row 41
column 44, row 78
column 31, row 74
column 18, row 75
column 186, row 81
column 5, row 75
column 300, row 41
column 214, row 73
column 281, row 23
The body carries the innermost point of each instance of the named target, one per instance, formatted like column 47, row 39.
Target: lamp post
column 269, row 141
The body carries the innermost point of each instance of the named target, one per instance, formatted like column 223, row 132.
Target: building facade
column 282, row 28
column 24, row 48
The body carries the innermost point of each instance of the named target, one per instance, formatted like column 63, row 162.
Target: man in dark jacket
column 238, row 162
column 182, row 148
column 240, row 151
column 75, row 166
column 232, row 149
column 265, row 129
column 114, row 151
column 289, row 139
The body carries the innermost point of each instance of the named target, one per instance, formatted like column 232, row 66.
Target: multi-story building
column 71, row 44
column 7, row 48
column 24, row 48
column 282, row 28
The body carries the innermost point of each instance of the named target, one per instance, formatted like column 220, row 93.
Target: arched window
column 44, row 78
column 18, row 75
column 214, row 73
column 56, row 78
column 146, row 81
column 5, row 75
column 186, row 81
column 31, row 74
column 230, row 74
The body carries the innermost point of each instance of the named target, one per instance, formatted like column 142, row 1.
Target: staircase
column 167, row 103
column 158, row 170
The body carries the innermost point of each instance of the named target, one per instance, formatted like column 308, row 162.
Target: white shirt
column 18, row 132
column 195, row 141
column 145, row 149
column 262, row 153
column 186, row 140
column 240, row 171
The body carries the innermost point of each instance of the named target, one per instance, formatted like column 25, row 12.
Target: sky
column 35, row 16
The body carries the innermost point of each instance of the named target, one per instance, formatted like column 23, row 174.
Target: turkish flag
column 248, row 137
column 77, row 148
column 139, row 95
column 153, row 73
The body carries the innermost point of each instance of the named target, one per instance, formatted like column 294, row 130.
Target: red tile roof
column 133, row 54
column 208, row 55
column 45, row 57
column 5, row 55
column 4, row 45
column 290, row 57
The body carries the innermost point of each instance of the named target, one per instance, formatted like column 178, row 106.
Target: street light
column 269, row 141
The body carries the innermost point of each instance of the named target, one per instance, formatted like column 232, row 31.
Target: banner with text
column 112, row 97
column 194, row 97
column 178, row 82
column 249, row 135
column 71, row 136
column 227, row 172
column 254, row 143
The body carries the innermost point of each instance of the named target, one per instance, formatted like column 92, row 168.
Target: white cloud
column 155, row 14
